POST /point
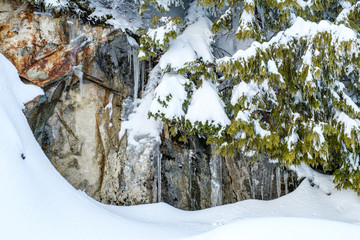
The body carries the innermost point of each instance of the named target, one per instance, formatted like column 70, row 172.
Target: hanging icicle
column 286, row 176
column 71, row 31
column 130, row 52
column 80, row 75
column 150, row 63
column 132, row 55
column 136, row 65
column 278, row 182
column 191, row 153
column 216, row 180
column 159, row 178
column 142, row 78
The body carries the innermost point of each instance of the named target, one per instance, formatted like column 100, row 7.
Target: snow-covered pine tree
column 294, row 92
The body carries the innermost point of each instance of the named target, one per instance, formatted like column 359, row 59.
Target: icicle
column 72, row 34
column 272, row 178
column 129, row 58
column 110, row 107
column 253, row 189
column 278, row 182
column 159, row 178
column 216, row 180
column 251, row 185
column 142, row 78
column 79, row 73
column 190, row 178
column 136, row 73
column 77, row 36
column 286, row 176
column 150, row 63
column 133, row 53
column 81, row 80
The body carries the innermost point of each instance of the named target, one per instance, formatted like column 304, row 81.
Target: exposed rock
column 112, row 63
column 10, row 5
column 75, row 146
column 45, row 49
column 40, row 109
column 187, row 179
column 137, row 181
column 260, row 180
column 76, row 130
column 186, row 174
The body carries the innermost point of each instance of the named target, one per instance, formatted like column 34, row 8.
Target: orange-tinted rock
column 39, row 46
column 50, row 68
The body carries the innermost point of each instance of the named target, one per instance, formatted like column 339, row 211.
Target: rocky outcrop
column 186, row 176
column 191, row 181
column 88, row 83
column 39, row 46
column 85, row 74
column 256, row 180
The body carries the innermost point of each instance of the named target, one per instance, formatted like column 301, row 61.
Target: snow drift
column 37, row 203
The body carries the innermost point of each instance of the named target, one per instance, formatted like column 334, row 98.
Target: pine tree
column 294, row 93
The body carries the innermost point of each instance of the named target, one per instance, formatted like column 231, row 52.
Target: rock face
column 186, row 176
column 87, row 79
column 191, row 181
column 260, row 180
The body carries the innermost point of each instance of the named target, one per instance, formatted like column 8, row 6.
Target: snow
column 123, row 12
column 274, row 70
column 38, row 203
column 246, row 21
column 158, row 34
column 21, row 93
column 300, row 29
column 165, row 4
column 303, row 4
column 139, row 125
column 193, row 43
column 109, row 105
column 171, row 86
column 348, row 122
column 132, row 41
column 195, row 12
column 249, row 90
column 292, row 140
column 283, row 228
column 56, row 3
column 206, row 106
column 320, row 136
column 259, row 130
column 243, row 116
column 344, row 14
